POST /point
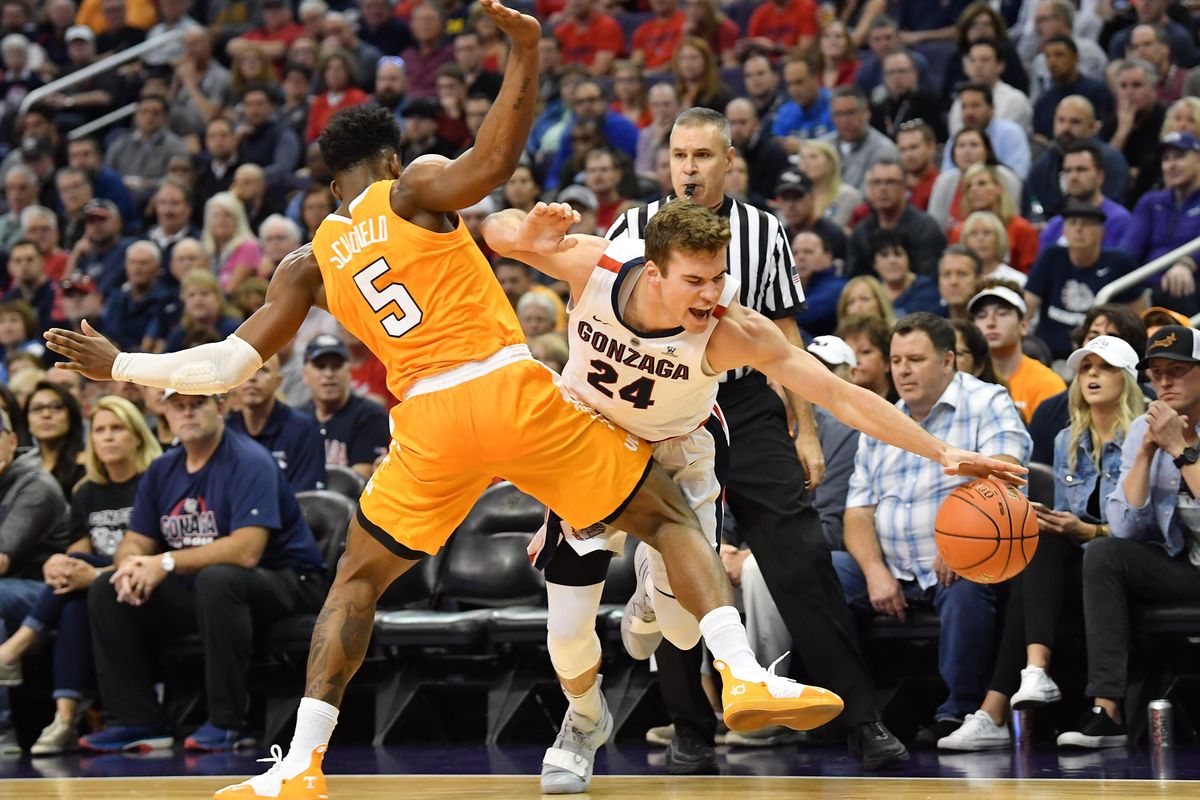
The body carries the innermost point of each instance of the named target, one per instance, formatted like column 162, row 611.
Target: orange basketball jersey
column 423, row 302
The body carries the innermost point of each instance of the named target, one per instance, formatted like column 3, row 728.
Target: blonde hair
column 228, row 202
column 203, row 279
column 128, row 415
column 1008, row 207
column 987, row 219
column 825, row 192
column 1194, row 103
column 887, row 312
column 1130, row 406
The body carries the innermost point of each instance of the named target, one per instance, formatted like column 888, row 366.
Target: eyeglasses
column 1158, row 374
column 396, row 60
column 42, row 408
column 911, row 124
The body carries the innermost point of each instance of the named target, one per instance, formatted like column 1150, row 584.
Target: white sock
column 315, row 722
column 726, row 639
column 589, row 704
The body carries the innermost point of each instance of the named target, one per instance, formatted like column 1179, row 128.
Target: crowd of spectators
column 958, row 181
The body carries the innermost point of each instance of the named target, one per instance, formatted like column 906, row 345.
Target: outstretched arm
column 438, row 185
column 745, row 337
column 209, row 368
column 540, row 239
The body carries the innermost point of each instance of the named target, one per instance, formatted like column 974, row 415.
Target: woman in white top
column 832, row 199
column 985, row 235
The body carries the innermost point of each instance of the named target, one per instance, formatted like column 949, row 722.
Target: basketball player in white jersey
column 653, row 325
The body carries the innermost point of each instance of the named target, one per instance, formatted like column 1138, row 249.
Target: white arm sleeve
column 208, row 369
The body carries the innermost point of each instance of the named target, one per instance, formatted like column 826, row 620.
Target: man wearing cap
column 765, row 159
column 1166, row 219
column 1155, row 317
column 35, row 527
column 890, row 209
column 839, row 442
column 1154, row 550
column 421, row 131
column 1082, row 178
column 80, row 300
column 1001, row 314
column 355, row 429
column 141, row 155
column 290, row 435
column 217, row 546
column 1064, row 280
column 89, row 99
column 797, row 209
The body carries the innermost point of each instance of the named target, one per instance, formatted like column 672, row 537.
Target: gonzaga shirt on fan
column 240, row 486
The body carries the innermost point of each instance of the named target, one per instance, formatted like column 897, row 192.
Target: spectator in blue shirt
column 908, row 291
column 821, row 282
column 100, row 252
column 1154, row 550
column 1164, row 220
column 891, row 563
column 1008, row 138
column 290, row 435
column 355, row 429
column 1074, row 121
column 1082, row 177
column 589, row 103
column 217, row 546
column 806, row 114
column 132, row 312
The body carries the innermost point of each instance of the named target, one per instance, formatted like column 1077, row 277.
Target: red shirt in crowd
column 657, row 39
column 1023, row 242
column 784, row 25
column 322, row 109
column 918, row 193
column 581, row 43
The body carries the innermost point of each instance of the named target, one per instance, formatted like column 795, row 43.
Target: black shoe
column 875, row 746
column 1097, row 729
column 688, row 755
column 929, row 735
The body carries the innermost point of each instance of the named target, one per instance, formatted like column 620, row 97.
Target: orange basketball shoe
column 308, row 785
column 750, row 705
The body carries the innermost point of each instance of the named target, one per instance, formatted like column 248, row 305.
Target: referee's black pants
column 766, row 493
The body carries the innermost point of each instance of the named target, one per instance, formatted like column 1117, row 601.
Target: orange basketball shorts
column 513, row 422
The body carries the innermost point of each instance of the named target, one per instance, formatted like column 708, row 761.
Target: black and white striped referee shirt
column 759, row 255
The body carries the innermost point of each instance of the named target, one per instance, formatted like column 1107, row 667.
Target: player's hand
column 808, row 449
column 522, row 29
column 886, row 594
column 88, row 353
column 974, row 465
column 544, row 229
column 1179, row 281
column 945, row 575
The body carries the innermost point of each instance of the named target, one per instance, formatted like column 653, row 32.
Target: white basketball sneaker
column 640, row 632
column 567, row 766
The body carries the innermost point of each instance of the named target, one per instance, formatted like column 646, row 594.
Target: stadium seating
column 344, row 480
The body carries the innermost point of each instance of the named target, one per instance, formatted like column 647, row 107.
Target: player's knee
column 573, row 654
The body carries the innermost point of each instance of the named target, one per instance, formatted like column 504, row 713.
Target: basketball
column 986, row 531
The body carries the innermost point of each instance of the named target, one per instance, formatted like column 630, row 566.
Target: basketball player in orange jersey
column 653, row 326
column 398, row 268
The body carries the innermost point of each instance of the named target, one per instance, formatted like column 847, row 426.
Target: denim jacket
column 1073, row 488
column 1155, row 521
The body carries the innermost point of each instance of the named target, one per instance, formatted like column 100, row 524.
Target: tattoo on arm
column 524, row 92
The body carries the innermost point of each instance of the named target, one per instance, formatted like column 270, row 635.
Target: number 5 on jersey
column 394, row 293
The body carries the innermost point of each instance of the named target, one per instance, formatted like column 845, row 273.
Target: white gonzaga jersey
column 654, row 385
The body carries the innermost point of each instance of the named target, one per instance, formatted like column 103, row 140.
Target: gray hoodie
column 34, row 517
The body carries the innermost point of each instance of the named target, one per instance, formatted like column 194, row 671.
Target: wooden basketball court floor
column 496, row 787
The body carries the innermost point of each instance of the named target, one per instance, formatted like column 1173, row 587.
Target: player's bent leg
column 753, row 697
column 677, row 625
column 339, row 644
column 574, row 584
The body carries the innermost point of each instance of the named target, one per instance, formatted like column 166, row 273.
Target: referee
column 766, row 486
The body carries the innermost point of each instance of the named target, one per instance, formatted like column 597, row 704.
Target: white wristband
column 207, row 369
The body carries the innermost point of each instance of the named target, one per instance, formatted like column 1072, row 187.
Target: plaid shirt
column 907, row 490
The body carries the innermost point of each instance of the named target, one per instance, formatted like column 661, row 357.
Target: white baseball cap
column 1014, row 299
column 833, row 351
column 1117, row 352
